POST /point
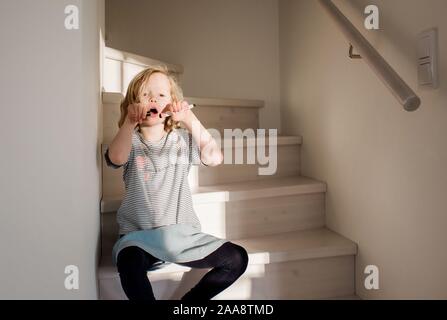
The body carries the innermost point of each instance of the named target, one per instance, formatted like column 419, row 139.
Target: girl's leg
column 133, row 264
column 229, row 262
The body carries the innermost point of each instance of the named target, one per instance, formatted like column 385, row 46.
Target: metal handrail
column 404, row 94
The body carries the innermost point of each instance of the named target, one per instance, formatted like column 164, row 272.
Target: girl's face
column 156, row 93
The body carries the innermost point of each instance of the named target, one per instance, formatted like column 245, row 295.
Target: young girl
column 157, row 222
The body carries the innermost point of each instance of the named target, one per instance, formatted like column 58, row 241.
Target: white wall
column 385, row 167
column 50, row 177
column 228, row 48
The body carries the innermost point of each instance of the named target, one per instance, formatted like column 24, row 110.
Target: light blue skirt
column 175, row 243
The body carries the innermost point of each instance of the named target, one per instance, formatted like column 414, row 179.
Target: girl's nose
column 153, row 100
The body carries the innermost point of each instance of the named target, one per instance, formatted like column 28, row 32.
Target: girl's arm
column 210, row 152
column 121, row 145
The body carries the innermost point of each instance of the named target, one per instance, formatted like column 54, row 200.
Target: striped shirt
column 156, row 182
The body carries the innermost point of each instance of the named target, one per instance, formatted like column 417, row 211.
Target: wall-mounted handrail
column 406, row 96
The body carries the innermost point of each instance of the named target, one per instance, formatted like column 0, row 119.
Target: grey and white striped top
column 156, row 182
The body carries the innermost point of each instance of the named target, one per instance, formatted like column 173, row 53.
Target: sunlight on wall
column 120, row 67
column 113, row 76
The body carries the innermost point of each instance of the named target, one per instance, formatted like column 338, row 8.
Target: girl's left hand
column 180, row 110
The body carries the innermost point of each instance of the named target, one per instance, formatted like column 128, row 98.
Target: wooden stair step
column 289, row 246
column 280, row 186
column 314, row 264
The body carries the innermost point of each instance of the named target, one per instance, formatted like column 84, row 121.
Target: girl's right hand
column 136, row 113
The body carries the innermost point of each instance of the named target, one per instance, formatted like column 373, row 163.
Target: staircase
column 279, row 219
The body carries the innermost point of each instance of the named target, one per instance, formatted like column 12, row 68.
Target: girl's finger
column 166, row 108
column 146, row 110
column 134, row 113
column 138, row 112
column 142, row 115
column 131, row 117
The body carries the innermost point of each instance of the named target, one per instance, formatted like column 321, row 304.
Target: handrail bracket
column 351, row 54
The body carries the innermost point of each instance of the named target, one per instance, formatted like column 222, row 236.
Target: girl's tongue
column 153, row 111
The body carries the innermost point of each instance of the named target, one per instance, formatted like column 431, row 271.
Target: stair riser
column 109, row 232
column 287, row 164
column 222, row 117
column 246, row 218
column 214, row 117
column 305, row 279
column 257, row 217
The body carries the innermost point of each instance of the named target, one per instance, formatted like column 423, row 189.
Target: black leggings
column 229, row 262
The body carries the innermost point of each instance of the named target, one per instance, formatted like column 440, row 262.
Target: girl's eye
column 162, row 95
column 144, row 94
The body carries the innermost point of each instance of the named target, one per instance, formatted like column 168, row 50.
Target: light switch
column 424, row 47
column 424, row 74
column 427, row 58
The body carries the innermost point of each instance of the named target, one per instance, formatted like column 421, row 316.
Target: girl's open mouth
column 153, row 112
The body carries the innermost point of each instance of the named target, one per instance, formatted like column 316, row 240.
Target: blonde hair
column 134, row 90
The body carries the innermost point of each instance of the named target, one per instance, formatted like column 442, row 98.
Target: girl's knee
column 239, row 258
column 131, row 260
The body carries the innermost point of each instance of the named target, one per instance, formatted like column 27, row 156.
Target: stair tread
column 280, row 186
column 257, row 185
column 281, row 140
column 272, row 187
column 230, row 102
column 116, row 97
column 288, row 246
column 297, row 245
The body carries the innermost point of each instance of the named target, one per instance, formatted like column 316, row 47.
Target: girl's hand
column 136, row 112
column 180, row 110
